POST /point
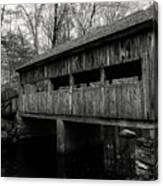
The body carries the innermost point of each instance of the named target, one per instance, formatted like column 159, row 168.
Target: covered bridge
column 109, row 75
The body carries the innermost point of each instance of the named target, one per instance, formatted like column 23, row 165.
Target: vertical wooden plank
column 118, row 100
column 30, row 103
column 126, row 101
column 53, row 102
column 112, row 101
column 145, row 75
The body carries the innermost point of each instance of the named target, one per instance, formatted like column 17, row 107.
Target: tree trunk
column 55, row 29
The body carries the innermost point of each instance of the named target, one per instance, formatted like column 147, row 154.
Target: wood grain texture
column 121, row 98
column 109, row 101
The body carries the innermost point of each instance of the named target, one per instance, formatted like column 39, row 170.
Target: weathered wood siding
column 108, row 54
column 130, row 100
column 110, row 101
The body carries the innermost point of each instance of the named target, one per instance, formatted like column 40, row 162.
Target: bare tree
column 112, row 11
column 53, row 20
column 32, row 20
column 83, row 14
column 51, row 24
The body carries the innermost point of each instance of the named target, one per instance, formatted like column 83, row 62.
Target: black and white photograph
column 79, row 90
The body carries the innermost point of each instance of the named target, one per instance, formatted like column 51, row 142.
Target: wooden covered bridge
column 107, row 78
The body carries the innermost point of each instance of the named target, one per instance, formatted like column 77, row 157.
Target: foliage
column 16, row 50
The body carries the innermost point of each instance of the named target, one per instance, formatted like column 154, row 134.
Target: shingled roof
column 132, row 20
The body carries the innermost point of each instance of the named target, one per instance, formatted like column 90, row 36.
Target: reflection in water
column 37, row 157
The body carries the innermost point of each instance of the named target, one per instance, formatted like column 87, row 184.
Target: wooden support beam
column 60, row 136
column 146, row 124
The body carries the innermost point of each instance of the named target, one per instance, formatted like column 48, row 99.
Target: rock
column 126, row 133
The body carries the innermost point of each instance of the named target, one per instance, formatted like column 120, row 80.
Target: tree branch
column 2, row 14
